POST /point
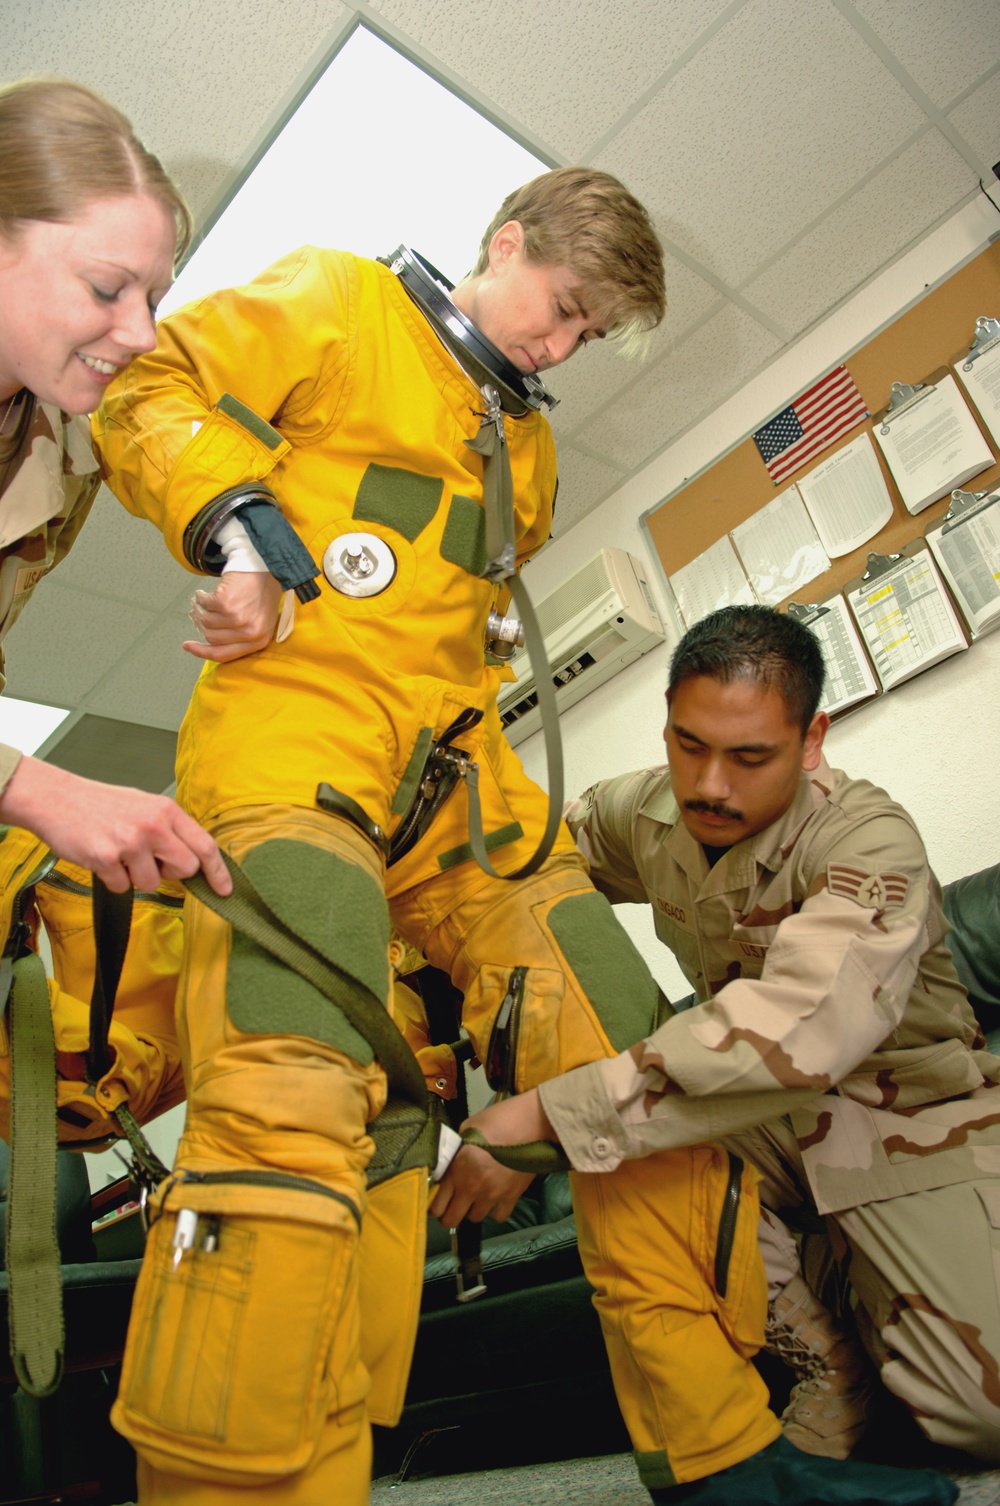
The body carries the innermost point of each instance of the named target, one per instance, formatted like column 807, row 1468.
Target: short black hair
column 755, row 643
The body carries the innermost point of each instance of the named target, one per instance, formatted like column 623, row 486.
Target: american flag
column 813, row 422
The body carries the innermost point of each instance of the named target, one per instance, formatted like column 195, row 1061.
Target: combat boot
column 781, row 1475
column 828, row 1408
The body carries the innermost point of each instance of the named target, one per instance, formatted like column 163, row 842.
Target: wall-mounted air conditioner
column 594, row 624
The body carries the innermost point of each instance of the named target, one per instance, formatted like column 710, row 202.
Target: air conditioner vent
column 594, row 624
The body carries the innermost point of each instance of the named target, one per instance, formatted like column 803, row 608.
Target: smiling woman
column 90, row 225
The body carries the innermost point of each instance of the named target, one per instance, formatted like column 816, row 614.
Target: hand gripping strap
column 539, row 1157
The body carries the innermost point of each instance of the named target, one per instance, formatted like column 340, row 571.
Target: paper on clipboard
column 905, row 615
column 715, row 579
column 979, row 373
column 779, row 547
column 966, row 545
column 931, row 442
column 847, row 497
column 850, row 678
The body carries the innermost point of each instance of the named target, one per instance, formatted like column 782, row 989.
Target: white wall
column 932, row 743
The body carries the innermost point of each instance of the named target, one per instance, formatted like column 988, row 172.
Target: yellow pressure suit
column 246, row 1363
column 145, row 1074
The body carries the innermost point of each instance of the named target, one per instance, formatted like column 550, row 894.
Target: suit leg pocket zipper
column 727, row 1224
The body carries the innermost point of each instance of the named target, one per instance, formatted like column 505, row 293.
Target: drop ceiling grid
column 567, row 68
column 894, row 207
column 665, row 401
column 745, row 164
column 196, row 80
column 942, row 47
column 978, row 118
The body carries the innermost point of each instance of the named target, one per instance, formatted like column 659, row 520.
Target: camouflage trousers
column 925, row 1270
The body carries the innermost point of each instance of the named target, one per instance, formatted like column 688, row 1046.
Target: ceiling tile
column 593, row 376
column 978, row 119
column 584, row 63
column 117, row 752
column 121, row 556
column 862, row 234
column 944, row 48
column 583, row 482
column 153, row 683
column 701, row 373
column 780, row 113
column 65, row 640
column 198, row 82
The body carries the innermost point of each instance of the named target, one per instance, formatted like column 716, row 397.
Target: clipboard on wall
column 851, row 680
column 966, row 546
column 904, row 614
column 979, row 372
column 930, row 439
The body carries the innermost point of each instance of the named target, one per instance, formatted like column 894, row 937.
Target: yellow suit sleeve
column 233, row 383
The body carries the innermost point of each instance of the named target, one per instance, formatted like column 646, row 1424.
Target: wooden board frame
column 932, row 333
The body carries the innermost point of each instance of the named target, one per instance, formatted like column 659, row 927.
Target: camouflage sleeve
column 193, row 418
column 834, row 985
column 600, row 821
column 76, row 515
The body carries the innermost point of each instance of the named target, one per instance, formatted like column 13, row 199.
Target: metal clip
column 494, row 411
column 468, row 1267
column 184, row 1233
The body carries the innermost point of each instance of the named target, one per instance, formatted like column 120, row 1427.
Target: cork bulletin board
column 929, row 336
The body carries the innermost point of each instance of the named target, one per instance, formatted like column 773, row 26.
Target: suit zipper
column 63, row 881
column 502, row 1050
column 727, row 1224
column 268, row 1179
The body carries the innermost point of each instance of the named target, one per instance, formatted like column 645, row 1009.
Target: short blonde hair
column 62, row 146
column 584, row 219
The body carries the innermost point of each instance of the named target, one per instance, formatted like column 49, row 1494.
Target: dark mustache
column 706, row 809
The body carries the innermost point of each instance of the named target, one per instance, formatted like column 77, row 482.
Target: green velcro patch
column 500, row 838
column 464, row 540
column 340, row 910
column 610, row 969
column 653, row 1468
column 249, row 420
column 403, row 797
column 396, row 498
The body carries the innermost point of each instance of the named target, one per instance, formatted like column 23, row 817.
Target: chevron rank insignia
column 874, row 891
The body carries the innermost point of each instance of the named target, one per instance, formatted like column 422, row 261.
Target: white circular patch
column 359, row 564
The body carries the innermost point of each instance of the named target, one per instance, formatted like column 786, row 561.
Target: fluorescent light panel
column 378, row 153
column 25, row 725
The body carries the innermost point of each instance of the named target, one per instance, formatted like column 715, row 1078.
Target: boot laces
column 797, row 1354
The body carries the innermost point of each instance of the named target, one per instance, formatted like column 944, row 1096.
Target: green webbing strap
column 498, row 490
column 501, row 567
column 546, row 693
column 112, row 920
column 537, row 1157
column 147, row 1165
column 248, row 912
column 37, row 1336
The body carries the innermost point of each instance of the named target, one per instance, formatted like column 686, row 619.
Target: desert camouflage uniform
column 48, row 481
column 833, row 1044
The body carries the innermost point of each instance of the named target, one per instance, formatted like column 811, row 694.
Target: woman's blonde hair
column 62, row 146
column 584, row 219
